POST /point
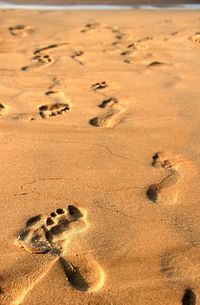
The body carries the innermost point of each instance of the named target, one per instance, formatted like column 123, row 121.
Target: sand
column 159, row 2
column 99, row 133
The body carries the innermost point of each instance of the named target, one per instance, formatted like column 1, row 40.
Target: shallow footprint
column 180, row 266
column 20, row 30
column 59, row 106
column 196, row 37
column 112, row 115
column 177, row 167
column 76, row 55
column 99, row 86
column 90, row 26
column 40, row 60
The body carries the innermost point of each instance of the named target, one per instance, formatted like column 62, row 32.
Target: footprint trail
column 113, row 109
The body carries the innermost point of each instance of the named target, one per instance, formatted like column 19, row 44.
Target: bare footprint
column 41, row 58
column 133, row 47
column 111, row 116
column 52, row 234
column 196, row 37
column 90, row 26
column 39, row 61
column 99, row 86
column 76, row 55
column 60, row 105
column 21, row 30
column 177, row 169
column 48, row 233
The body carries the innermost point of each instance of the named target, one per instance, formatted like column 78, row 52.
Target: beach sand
column 99, row 133
column 158, row 2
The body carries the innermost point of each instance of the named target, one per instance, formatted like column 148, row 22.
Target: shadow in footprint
column 2, row 109
column 73, row 275
column 189, row 297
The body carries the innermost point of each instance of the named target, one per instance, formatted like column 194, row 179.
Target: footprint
column 196, row 37
column 180, row 267
column 76, row 55
column 119, row 36
column 99, row 86
column 48, row 233
column 90, row 26
column 189, row 297
column 59, row 106
column 126, row 55
column 112, row 116
column 133, row 47
column 21, row 30
column 55, row 83
column 40, row 60
column 52, row 234
column 177, row 168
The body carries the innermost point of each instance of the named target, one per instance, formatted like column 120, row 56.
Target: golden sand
column 99, row 133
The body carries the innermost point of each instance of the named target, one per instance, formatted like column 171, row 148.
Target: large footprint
column 52, row 234
column 112, row 115
column 60, row 105
column 113, row 109
column 177, row 169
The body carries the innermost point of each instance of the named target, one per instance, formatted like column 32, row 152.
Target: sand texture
column 99, row 133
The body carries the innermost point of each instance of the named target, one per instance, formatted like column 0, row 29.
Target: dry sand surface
column 99, row 133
